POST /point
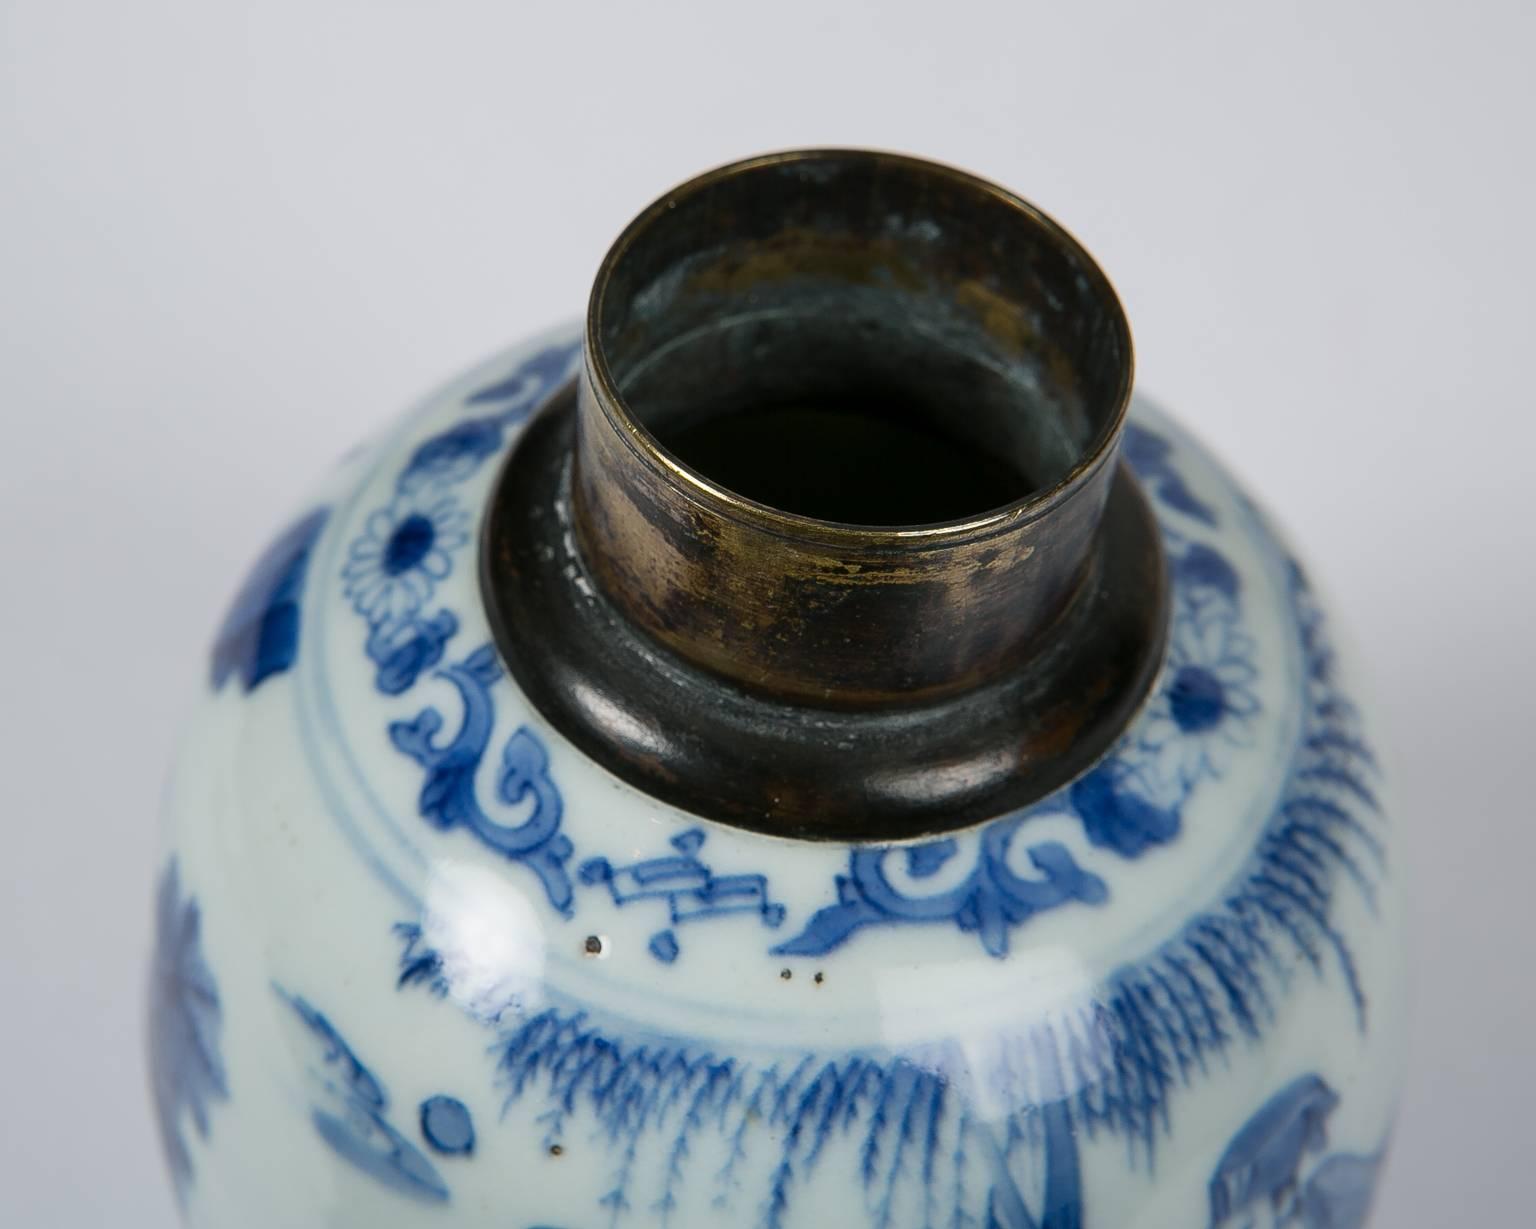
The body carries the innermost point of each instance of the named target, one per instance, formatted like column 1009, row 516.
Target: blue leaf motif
column 186, row 1019
column 350, row 1112
column 260, row 634
column 455, row 454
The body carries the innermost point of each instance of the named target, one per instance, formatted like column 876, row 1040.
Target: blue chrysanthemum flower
column 404, row 550
column 1205, row 706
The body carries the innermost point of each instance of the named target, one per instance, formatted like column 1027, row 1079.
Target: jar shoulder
column 423, row 919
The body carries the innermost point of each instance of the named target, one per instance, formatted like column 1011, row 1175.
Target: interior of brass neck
column 847, row 423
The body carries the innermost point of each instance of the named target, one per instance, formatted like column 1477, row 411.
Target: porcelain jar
column 808, row 749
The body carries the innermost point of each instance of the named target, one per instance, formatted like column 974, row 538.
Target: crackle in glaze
column 420, row 962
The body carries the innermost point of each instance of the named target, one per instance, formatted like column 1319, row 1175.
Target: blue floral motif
column 691, row 890
column 185, row 1020
column 351, row 1112
column 260, row 634
column 407, row 547
column 449, row 798
column 1202, row 711
column 404, row 551
column 1260, row 1173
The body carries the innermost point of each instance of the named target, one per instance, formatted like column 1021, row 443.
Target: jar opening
column 829, row 538
column 864, row 340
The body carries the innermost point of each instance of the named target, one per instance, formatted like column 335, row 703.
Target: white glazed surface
column 898, row 1078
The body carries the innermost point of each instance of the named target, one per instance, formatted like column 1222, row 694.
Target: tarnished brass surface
column 844, row 245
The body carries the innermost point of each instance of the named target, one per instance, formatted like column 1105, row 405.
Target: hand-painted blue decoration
column 1263, row 1160
column 446, row 1125
column 403, row 652
column 449, row 798
column 1132, row 802
column 988, row 903
column 1159, row 1024
column 185, row 1020
column 1338, row 1195
column 407, row 547
column 1061, row 1204
column 453, row 455
column 1261, row 1170
column 350, row 1112
column 1151, row 456
column 906, row 1118
column 260, row 634
column 391, row 575
column 692, row 891
column 525, row 387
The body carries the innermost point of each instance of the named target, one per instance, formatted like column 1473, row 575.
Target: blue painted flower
column 186, row 1068
column 404, row 550
column 1206, row 702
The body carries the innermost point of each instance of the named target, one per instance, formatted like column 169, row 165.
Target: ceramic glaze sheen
column 420, row 962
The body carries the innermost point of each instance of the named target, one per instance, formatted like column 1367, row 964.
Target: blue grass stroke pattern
column 907, row 1124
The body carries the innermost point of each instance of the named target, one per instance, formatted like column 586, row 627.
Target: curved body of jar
column 422, row 961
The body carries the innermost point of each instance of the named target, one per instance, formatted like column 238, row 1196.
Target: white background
column 235, row 238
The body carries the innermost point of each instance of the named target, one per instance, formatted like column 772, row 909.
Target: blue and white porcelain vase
column 807, row 750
